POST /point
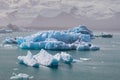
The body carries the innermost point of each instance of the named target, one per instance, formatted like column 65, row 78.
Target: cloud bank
column 26, row 10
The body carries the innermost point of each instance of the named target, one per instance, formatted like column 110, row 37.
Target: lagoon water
column 103, row 64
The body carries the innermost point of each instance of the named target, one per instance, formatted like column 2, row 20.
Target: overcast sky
column 24, row 11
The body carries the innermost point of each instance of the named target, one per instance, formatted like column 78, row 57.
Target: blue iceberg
column 70, row 39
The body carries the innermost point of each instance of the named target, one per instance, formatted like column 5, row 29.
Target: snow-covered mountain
column 27, row 12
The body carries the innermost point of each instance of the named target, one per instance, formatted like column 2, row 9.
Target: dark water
column 104, row 64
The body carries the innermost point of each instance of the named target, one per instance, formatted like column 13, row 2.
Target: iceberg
column 42, row 58
column 94, row 48
column 85, row 59
column 45, row 59
column 64, row 57
column 87, row 46
column 10, row 41
column 28, row 60
column 67, row 58
column 70, row 39
column 21, row 76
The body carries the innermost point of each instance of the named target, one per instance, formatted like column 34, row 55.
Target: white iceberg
column 64, row 57
column 21, row 76
column 67, row 58
column 28, row 60
column 46, row 59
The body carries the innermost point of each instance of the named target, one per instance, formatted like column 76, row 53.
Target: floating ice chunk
column 82, row 47
column 56, row 40
column 85, row 59
column 94, row 48
column 67, row 58
column 46, row 59
column 76, row 60
column 21, row 76
column 28, row 60
column 10, row 41
column 64, row 57
column 58, row 57
column 7, row 46
column 15, row 69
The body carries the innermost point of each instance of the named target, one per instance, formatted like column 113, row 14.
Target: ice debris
column 21, row 76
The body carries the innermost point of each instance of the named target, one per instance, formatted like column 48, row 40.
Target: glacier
column 77, row 38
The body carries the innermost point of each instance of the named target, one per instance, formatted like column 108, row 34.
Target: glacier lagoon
column 95, row 65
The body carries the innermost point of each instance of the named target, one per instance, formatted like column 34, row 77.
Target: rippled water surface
column 98, row 65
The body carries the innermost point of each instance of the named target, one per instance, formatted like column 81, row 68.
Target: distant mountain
column 65, row 20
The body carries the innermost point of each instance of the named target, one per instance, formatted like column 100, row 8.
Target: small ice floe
column 64, row 57
column 94, row 48
column 82, row 47
column 7, row 46
column 10, row 41
column 21, row 76
column 85, row 59
column 42, row 58
column 28, row 60
column 87, row 46
column 76, row 60
column 94, row 67
column 15, row 69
